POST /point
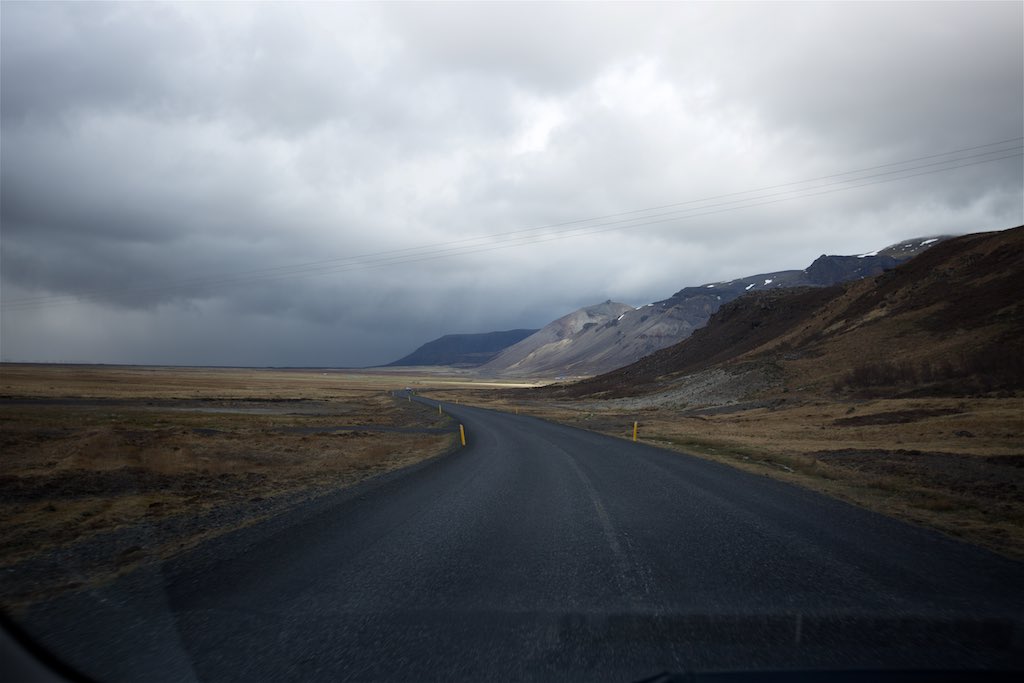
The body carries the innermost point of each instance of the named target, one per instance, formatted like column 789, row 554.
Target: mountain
column 950, row 321
column 463, row 350
column 637, row 332
column 555, row 348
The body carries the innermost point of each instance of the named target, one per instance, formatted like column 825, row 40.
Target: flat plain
column 108, row 467
column 105, row 468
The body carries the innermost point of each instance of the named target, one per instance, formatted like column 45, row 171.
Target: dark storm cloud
column 197, row 177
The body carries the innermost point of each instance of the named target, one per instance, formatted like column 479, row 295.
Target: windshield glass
column 526, row 341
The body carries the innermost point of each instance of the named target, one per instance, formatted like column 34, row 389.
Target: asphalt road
column 542, row 552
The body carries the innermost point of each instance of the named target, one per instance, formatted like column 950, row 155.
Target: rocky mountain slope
column 463, row 350
column 603, row 344
column 555, row 349
column 949, row 322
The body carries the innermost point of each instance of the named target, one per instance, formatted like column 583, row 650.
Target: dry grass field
column 104, row 468
column 953, row 464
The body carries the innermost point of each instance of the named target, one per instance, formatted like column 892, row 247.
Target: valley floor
column 106, row 468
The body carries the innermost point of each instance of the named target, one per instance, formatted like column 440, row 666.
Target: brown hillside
column 739, row 327
column 949, row 321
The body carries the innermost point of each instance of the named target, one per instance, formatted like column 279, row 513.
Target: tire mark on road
column 633, row 583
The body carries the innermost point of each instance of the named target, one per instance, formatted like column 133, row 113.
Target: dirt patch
column 995, row 479
column 894, row 417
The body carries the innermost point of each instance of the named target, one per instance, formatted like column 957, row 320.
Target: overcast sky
column 283, row 184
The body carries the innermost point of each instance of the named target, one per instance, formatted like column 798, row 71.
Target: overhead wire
column 704, row 206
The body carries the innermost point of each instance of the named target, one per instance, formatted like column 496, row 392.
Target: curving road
column 543, row 552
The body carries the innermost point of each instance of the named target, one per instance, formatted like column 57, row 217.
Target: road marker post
column 462, row 434
column 634, row 431
column 439, row 409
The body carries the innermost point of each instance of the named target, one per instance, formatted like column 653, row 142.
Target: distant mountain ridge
column 617, row 335
column 463, row 350
column 950, row 322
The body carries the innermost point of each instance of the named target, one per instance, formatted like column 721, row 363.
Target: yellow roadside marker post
column 634, row 431
column 462, row 434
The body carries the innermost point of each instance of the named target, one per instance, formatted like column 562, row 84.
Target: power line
column 588, row 231
column 640, row 221
column 504, row 240
column 636, row 218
